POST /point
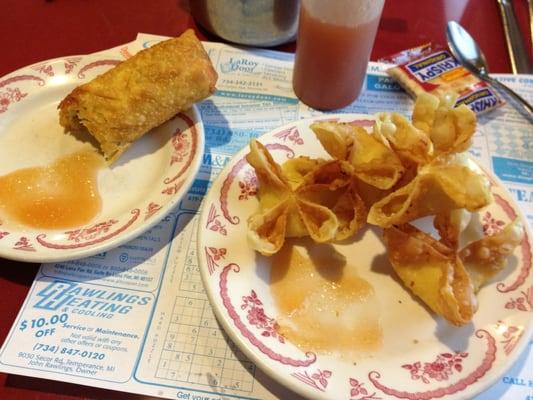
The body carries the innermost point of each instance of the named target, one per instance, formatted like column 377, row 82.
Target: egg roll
column 124, row 103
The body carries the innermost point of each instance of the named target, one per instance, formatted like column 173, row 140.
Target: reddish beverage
column 331, row 58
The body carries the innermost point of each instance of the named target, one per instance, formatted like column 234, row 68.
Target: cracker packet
column 433, row 69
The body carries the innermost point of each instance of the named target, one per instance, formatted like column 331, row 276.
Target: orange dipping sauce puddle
column 61, row 195
column 323, row 305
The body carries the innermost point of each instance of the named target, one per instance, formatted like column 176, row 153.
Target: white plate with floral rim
column 137, row 191
column 420, row 357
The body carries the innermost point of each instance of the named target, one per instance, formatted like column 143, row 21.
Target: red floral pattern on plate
column 124, row 52
column 213, row 223
column 70, row 63
column 524, row 302
column 173, row 189
column 40, row 81
column 191, row 128
column 491, row 225
column 181, row 146
column 248, row 185
column 10, row 96
column 440, row 370
column 24, row 244
column 511, row 336
column 213, row 255
column 44, row 68
column 256, row 316
column 91, row 240
column 359, row 392
column 3, row 234
column 461, row 384
column 94, row 64
column 90, row 233
column 317, row 380
column 290, row 134
column 152, row 209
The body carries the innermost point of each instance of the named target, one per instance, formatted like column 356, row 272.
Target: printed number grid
column 191, row 280
column 197, row 351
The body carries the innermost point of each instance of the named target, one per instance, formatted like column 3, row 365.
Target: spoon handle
column 525, row 105
column 515, row 44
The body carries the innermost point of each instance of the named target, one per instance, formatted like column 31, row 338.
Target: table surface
column 37, row 30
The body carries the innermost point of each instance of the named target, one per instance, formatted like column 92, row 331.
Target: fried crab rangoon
column 400, row 171
column 371, row 156
column 337, row 139
column 282, row 212
column 332, row 185
column 295, row 169
column 450, row 129
column 440, row 186
column 444, row 279
column 432, row 272
column 295, row 212
column 410, row 143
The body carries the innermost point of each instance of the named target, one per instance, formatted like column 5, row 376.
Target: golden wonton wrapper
column 450, row 224
column 424, row 111
column 371, row 157
column 331, row 184
column 336, row 138
column 486, row 257
column 410, row 143
column 450, row 129
column 373, row 160
column 334, row 174
column 437, row 188
column 295, row 169
column 351, row 213
column 303, row 197
column 283, row 213
column 432, row 272
column 267, row 230
column 368, row 193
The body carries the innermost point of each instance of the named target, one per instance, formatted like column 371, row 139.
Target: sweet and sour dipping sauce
column 63, row 194
column 324, row 307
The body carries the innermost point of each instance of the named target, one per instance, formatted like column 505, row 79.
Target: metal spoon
column 466, row 50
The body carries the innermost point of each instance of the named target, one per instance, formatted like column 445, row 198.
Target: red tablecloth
column 36, row 30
